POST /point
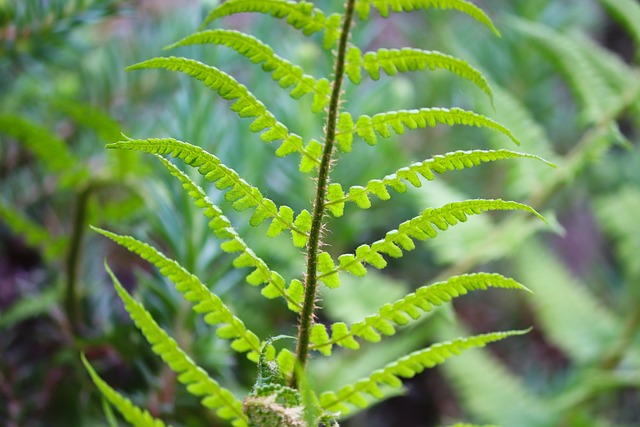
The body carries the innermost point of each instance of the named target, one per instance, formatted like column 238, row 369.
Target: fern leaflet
column 134, row 415
column 425, row 298
column 206, row 302
column 284, row 72
column 240, row 193
column 197, row 381
column 246, row 104
column 363, row 7
column 383, row 123
column 392, row 61
column 405, row 367
column 222, row 228
column 418, row 228
column 440, row 164
column 301, row 15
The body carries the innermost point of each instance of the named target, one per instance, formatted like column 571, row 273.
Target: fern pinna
column 282, row 396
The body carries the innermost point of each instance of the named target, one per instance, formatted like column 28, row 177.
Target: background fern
column 165, row 104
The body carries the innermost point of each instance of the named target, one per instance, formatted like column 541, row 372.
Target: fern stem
column 72, row 298
column 311, row 279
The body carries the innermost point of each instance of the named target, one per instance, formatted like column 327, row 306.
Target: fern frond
column 418, row 228
column 586, row 83
column 405, row 310
column 34, row 234
column 484, row 385
column 207, row 303
column 240, row 193
column 607, row 63
column 383, row 124
column 392, row 61
column 196, row 380
column 300, row 15
column 565, row 308
column 222, row 228
column 283, row 71
column 246, row 104
column 457, row 160
column 136, row 416
column 405, row 367
column 363, row 7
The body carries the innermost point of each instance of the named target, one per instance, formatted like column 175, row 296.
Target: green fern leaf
column 407, row 309
column 392, row 61
column 246, row 104
column 301, row 15
column 363, row 8
column 457, row 160
column 384, row 123
column 420, row 228
column 34, row 234
column 134, row 415
column 565, row 309
column 283, row 71
column 222, row 228
column 206, row 302
column 405, row 367
column 197, row 381
column 243, row 195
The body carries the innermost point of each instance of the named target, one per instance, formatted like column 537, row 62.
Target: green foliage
column 214, row 310
column 283, row 71
column 301, row 15
column 405, row 310
column 281, row 395
column 405, row 367
column 191, row 375
column 363, row 8
column 392, row 61
column 584, row 304
column 395, row 121
column 136, row 416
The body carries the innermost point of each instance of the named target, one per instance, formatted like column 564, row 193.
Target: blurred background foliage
column 566, row 81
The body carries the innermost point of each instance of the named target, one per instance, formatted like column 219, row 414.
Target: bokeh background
column 565, row 81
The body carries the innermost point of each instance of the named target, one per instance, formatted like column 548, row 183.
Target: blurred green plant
column 282, row 394
column 55, row 181
column 582, row 368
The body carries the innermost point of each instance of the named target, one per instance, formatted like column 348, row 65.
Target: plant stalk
column 314, row 243
column 72, row 298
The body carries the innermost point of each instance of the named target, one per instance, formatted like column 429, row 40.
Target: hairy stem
column 311, row 278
